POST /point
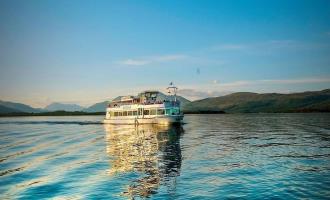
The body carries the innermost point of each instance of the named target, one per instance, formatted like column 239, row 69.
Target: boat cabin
column 149, row 97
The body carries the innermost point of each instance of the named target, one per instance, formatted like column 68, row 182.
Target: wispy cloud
column 151, row 60
column 210, row 55
column 169, row 57
column 286, row 45
column 195, row 94
column 274, row 81
column 243, row 83
column 215, row 81
column 281, row 43
column 134, row 62
column 266, row 46
column 228, row 47
column 297, row 81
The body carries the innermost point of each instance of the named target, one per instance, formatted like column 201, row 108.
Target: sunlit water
column 251, row 156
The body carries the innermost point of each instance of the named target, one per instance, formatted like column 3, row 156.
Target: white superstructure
column 149, row 107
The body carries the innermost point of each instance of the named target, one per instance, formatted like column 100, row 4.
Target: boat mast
column 173, row 88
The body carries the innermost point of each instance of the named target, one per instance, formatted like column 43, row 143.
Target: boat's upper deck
column 145, row 98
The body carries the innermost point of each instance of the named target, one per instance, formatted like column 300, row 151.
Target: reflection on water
column 151, row 151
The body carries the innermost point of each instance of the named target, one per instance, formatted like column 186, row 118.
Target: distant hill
column 4, row 109
column 63, row 107
column 246, row 102
column 183, row 101
column 98, row 107
column 10, row 107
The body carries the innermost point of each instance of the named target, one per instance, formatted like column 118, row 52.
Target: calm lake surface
column 249, row 156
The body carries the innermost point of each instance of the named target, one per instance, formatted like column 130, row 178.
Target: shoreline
column 79, row 113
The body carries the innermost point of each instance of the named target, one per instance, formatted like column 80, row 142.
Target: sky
column 89, row 51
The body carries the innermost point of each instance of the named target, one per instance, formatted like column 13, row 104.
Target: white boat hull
column 166, row 119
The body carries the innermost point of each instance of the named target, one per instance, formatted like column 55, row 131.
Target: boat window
column 134, row 112
column 146, row 112
column 129, row 113
column 153, row 112
column 120, row 114
column 173, row 111
column 160, row 112
column 116, row 114
column 176, row 111
column 125, row 113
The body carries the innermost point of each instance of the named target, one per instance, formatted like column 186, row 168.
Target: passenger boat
column 148, row 107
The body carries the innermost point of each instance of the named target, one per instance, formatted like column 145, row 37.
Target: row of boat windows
column 172, row 111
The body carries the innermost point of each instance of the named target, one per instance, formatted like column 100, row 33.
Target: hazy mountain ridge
column 9, row 107
column 246, row 102
column 98, row 107
column 4, row 109
column 63, row 106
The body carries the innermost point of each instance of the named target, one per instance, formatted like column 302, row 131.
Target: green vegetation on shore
column 246, row 102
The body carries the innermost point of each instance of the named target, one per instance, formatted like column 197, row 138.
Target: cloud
column 134, row 62
column 169, row 58
column 215, row 81
column 280, row 43
column 229, row 47
column 243, row 83
column 236, row 84
column 297, row 81
column 152, row 60
column 266, row 46
column 195, row 94
column 209, row 55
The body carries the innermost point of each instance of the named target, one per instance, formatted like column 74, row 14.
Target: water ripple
column 249, row 156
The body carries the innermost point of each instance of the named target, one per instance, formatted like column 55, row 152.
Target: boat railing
column 118, row 104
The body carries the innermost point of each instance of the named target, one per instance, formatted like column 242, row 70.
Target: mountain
column 98, row 107
column 62, row 106
column 183, row 100
column 10, row 107
column 4, row 109
column 246, row 102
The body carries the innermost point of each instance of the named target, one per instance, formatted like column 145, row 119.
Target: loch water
column 229, row 156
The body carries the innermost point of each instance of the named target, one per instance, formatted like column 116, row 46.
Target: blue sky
column 89, row 51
